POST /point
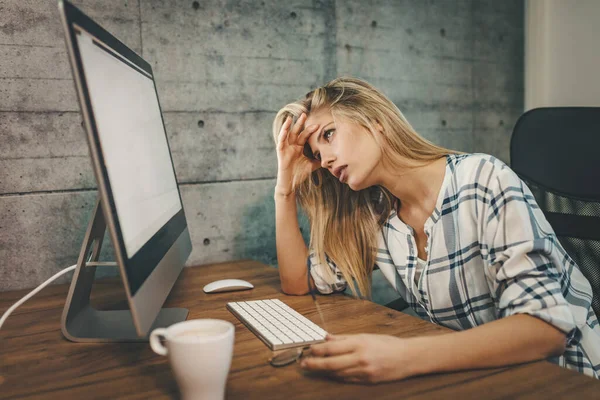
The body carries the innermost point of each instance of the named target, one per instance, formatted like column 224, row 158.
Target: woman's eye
column 327, row 135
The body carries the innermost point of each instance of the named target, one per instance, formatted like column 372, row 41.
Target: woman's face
column 345, row 148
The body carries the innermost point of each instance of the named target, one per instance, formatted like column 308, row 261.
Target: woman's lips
column 343, row 174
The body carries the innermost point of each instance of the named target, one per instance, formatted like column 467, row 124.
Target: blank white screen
column 133, row 142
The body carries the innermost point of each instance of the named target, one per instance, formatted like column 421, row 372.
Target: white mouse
column 227, row 285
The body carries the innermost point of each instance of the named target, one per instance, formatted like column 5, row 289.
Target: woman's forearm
column 515, row 339
column 291, row 249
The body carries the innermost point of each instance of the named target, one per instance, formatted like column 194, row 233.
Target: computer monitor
column 138, row 196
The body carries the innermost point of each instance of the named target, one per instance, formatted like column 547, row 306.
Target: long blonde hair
column 345, row 223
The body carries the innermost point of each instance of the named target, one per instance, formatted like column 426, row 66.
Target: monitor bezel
column 139, row 267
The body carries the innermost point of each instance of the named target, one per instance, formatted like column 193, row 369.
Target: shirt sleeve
column 327, row 282
column 526, row 263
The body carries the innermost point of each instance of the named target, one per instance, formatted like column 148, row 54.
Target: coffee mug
column 200, row 352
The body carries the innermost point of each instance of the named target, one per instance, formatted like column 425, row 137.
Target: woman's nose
column 327, row 160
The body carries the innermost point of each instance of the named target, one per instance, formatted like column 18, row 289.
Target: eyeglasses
column 289, row 356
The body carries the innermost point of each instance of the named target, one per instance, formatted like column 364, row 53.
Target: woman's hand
column 290, row 153
column 363, row 358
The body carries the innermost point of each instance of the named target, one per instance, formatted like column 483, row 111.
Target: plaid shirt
column 491, row 254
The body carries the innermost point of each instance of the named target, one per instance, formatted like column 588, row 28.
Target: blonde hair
column 345, row 223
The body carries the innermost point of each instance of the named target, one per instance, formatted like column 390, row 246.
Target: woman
column 459, row 236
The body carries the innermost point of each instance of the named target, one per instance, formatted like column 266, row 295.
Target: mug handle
column 155, row 341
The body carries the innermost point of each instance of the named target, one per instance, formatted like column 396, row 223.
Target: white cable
column 34, row 291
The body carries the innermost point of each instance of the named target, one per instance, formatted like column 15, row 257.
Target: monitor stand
column 81, row 322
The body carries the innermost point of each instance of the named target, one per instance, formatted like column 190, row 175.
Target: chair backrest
column 556, row 152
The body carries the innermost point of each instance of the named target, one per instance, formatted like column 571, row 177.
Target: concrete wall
column 223, row 69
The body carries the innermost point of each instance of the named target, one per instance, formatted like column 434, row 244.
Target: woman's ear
column 379, row 136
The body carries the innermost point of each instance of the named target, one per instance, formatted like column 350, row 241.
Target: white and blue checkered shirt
column 491, row 254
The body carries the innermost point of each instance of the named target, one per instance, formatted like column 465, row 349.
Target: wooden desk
column 37, row 362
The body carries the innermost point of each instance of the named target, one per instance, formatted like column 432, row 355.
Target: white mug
column 200, row 352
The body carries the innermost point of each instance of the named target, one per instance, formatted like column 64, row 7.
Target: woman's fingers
column 306, row 133
column 289, row 133
column 295, row 130
column 295, row 135
column 330, row 364
column 333, row 348
column 298, row 126
column 284, row 131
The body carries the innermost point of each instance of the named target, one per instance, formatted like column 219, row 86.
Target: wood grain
column 36, row 361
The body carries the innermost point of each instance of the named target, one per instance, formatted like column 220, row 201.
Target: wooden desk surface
column 36, row 361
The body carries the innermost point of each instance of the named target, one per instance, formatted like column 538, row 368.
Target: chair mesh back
column 556, row 151
column 585, row 252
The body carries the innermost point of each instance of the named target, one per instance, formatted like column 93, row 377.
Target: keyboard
column 277, row 324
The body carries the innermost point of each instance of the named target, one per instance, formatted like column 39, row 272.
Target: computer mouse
column 227, row 285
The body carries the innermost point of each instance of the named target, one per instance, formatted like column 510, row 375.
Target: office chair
column 556, row 152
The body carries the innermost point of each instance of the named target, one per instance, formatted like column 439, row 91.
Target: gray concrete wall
column 455, row 68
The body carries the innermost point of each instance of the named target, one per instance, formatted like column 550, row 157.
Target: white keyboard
column 277, row 324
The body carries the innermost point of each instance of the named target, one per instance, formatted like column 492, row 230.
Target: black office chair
column 556, row 152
